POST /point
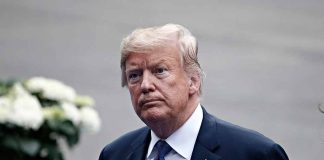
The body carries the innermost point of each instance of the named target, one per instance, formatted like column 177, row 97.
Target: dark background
column 263, row 60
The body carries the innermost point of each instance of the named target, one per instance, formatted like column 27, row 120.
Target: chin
column 152, row 115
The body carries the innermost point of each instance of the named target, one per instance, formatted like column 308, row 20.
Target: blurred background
column 263, row 59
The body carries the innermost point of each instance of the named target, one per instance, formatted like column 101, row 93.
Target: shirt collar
column 183, row 139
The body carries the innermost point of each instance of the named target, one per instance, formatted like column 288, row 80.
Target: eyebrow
column 134, row 66
column 131, row 70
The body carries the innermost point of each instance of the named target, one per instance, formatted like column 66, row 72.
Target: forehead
column 166, row 54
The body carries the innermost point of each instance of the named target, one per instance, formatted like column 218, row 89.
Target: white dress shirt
column 182, row 140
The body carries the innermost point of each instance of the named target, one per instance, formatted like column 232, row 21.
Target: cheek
column 133, row 94
column 176, row 92
column 134, row 99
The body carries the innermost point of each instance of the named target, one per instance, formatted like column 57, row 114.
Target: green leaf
column 45, row 102
column 10, row 142
column 53, row 124
column 5, row 86
column 70, row 132
column 3, row 89
column 54, row 152
column 30, row 146
column 66, row 129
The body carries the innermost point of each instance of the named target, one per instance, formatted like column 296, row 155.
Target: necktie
column 163, row 149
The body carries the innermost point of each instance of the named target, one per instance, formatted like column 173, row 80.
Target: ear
column 194, row 84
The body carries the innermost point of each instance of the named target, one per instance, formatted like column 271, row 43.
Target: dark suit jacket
column 217, row 140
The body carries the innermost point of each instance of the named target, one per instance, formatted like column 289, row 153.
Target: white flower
column 90, row 120
column 26, row 112
column 51, row 89
column 19, row 90
column 54, row 112
column 83, row 101
column 4, row 109
column 72, row 112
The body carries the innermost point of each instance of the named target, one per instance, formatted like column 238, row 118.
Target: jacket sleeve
column 277, row 153
column 103, row 154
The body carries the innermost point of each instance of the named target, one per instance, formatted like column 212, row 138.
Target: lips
column 149, row 102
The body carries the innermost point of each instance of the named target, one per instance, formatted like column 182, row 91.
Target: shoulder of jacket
column 125, row 140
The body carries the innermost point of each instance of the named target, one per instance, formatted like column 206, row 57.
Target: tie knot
column 163, row 149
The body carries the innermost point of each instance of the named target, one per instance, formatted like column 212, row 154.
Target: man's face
column 158, row 85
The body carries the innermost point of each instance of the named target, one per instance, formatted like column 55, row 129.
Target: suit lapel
column 201, row 152
column 139, row 146
column 206, row 144
column 207, row 141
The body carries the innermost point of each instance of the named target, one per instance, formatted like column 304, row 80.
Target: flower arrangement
column 38, row 114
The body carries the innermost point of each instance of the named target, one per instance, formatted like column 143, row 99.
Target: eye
column 160, row 71
column 134, row 76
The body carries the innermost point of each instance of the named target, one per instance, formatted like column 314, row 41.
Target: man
column 161, row 70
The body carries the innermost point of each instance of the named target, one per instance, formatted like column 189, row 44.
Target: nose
column 147, row 84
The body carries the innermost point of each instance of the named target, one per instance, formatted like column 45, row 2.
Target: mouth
column 148, row 103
